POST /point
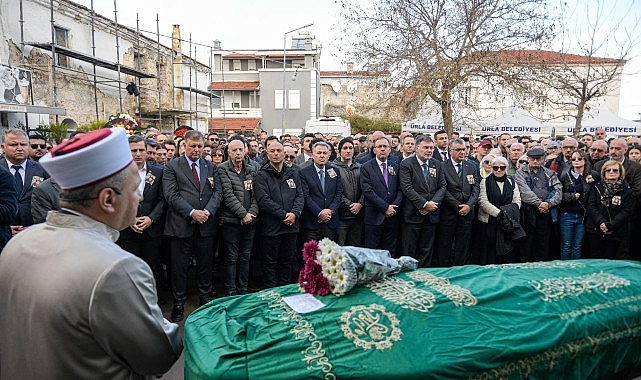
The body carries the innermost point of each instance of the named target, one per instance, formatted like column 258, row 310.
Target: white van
column 329, row 125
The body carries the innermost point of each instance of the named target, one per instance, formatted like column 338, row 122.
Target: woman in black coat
column 609, row 208
column 577, row 185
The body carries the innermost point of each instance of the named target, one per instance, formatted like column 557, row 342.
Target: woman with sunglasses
column 217, row 156
column 577, row 184
column 497, row 190
column 610, row 205
column 486, row 165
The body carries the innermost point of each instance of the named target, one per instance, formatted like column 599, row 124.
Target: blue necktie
column 18, row 177
column 321, row 175
column 424, row 170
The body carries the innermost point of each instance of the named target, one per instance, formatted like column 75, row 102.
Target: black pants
column 536, row 245
column 382, row 236
column 418, row 242
column 181, row 251
column 237, row 242
column 147, row 248
column 454, row 234
column 278, row 253
column 350, row 232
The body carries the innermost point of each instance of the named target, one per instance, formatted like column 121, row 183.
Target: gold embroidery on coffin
column 458, row 295
column 371, row 327
column 403, row 293
column 314, row 355
column 538, row 265
column 632, row 304
column 555, row 289
column 560, row 355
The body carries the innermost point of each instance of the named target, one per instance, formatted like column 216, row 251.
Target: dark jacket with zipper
column 351, row 188
column 614, row 213
column 569, row 202
column 278, row 193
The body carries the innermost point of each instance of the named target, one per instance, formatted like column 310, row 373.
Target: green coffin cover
column 551, row 320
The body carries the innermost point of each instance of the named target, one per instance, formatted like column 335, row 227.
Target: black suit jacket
column 463, row 189
column 316, row 200
column 377, row 195
column 438, row 156
column 183, row 195
column 8, row 205
column 418, row 190
column 152, row 204
column 34, row 175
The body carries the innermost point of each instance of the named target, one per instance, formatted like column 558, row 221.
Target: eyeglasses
column 597, row 150
column 611, row 170
column 522, row 161
column 217, row 155
column 288, row 157
column 459, row 149
column 486, row 162
column 36, row 146
column 499, row 168
column 577, row 159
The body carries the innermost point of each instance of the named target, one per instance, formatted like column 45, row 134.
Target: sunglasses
column 612, row 170
column 577, row 159
column 499, row 168
column 288, row 157
column 216, row 155
column 486, row 162
column 522, row 161
column 36, row 146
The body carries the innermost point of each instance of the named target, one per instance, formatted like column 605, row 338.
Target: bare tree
column 570, row 80
column 434, row 46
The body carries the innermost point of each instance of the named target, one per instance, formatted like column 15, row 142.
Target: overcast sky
column 260, row 24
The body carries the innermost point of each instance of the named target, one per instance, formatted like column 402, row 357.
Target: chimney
column 350, row 67
column 175, row 39
column 216, row 44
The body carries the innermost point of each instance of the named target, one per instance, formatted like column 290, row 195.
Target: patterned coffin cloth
column 553, row 320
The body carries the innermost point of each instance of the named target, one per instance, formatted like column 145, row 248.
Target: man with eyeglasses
column 598, row 152
column 88, row 306
column 423, row 185
column 27, row 174
column 454, row 230
column 38, row 145
column 541, row 192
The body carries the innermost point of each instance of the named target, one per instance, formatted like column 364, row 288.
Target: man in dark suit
column 143, row 238
column 323, row 190
column 441, row 153
column 423, row 185
column 8, row 205
column 457, row 212
column 27, row 174
column 193, row 193
column 382, row 195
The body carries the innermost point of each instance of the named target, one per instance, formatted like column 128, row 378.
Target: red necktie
column 195, row 173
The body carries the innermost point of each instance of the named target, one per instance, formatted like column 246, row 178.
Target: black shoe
column 205, row 300
column 177, row 313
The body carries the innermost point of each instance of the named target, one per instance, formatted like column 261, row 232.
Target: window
column 235, row 105
column 61, row 37
column 469, row 96
column 278, row 99
column 237, row 65
column 251, row 65
column 294, row 99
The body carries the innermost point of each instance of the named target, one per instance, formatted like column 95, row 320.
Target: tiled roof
column 240, row 55
column 237, row 124
column 549, row 57
column 235, row 85
column 349, row 74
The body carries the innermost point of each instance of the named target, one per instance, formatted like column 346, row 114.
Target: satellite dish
column 351, row 87
column 336, row 86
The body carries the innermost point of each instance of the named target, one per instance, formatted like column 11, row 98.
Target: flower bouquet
column 332, row 268
column 123, row 120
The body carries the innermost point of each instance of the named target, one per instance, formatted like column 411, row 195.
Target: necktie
column 385, row 173
column 458, row 169
column 195, row 173
column 18, row 177
column 444, row 156
column 321, row 175
column 424, row 170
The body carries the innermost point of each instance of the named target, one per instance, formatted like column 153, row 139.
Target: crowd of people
column 247, row 203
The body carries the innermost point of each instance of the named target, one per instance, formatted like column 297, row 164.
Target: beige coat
column 76, row 306
column 486, row 208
